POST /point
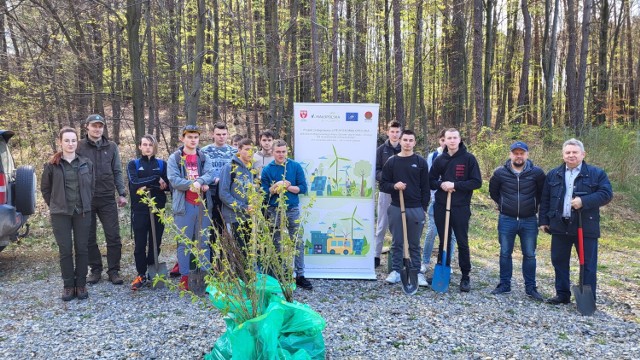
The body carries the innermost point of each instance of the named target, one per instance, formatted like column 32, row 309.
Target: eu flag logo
column 352, row 116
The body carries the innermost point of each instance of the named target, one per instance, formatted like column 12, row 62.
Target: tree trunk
column 151, row 66
column 4, row 55
column 417, row 66
column 570, row 67
column 215, row 86
column 579, row 122
column 600, row 97
column 523, row 95
column 134, row 15
column 387, row 63
column 360, row 60
column 272, row 51
column 334, row 51
column 478, row 91
column 549, row 44
column 398, row 83
column 317, row 75
column 193, row 98
column 117, row 89
column 488, row 62
column 631, row 83
column 507, row 71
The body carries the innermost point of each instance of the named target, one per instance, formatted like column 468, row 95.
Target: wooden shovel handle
column 446, row 226
column 403, row 214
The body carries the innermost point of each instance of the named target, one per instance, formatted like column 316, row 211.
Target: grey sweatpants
column 415, row 224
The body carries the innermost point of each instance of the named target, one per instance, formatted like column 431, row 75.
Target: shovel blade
column 409, row 279
column 441, row 277
column 196, row 282
column 158, row 270
column 585, row 302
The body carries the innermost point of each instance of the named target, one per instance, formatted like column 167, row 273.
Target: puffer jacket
column 594, row 189
column 52, row 186
column 235, row 177
column 517, row 195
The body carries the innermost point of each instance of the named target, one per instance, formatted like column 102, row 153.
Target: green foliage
column 236, row 271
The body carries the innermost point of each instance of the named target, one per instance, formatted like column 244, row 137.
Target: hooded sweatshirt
column 460, row 168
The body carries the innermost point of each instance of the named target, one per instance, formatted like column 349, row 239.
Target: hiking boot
column 175, row 271
column 184, row 283
column 465, row 284
column 422, row 281
column 393, row 278
column 303, row 283
column 94, row 277
column 557, row 300
column 376, row 262
column 533, row 293
column 68, row 294
column 139, row 282
column 81, row 292
column 115, row 278
column 501, row 289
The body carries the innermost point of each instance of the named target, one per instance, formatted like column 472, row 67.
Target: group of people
column 528, row 201
column 79, row 184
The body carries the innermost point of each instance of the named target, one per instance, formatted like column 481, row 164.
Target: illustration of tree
column 353, row 219
column 335, row 163
column 362, row 169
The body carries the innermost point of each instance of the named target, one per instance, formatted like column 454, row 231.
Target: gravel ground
column 365, row 319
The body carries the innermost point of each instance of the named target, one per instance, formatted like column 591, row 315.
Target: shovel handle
column 446, row 228
column 403, row 214
column 580, row 239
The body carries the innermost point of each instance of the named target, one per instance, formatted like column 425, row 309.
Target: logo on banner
column 352, row 116
column 303, row 114
column 368, row 115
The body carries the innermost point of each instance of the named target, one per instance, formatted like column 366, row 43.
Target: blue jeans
column 527, row 230
column 430, row 238
column 188, row 223
column 293, row 224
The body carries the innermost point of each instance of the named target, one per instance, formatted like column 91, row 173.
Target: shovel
column 408, row 275
column 585, row 301
column 442, row 271
column 157, row 269
column 196, row 275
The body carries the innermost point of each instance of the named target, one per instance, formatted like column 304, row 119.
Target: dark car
column 17, row 194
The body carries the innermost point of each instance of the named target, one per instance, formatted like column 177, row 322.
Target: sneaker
column 501, row 289
column 465, row 284
column 81, row 292
column 175, row 271
column 303, row 283
column 423, row 268
column 115, row 278
column 94, row 277
column 376, row 262
column 557, row 300
column 533, row 293
column 184, row 283
column 68, row 294
column 140, row 282
column 422, row 281
column 393, row 278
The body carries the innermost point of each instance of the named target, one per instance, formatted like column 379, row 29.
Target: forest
column 151, row 66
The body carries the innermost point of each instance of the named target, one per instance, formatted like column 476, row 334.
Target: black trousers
column 459, row 224
column 106, row 210
column 143, row 238
column 71, row 232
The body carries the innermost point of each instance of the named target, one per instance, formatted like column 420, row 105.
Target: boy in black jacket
column 455, row 171
column 408, row 172
column 149, row 173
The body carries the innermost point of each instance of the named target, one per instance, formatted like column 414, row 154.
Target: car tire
column 25, row 190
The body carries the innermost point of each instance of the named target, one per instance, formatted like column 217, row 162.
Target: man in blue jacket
column 284, row 174
column 573, row 187
column 516, row 187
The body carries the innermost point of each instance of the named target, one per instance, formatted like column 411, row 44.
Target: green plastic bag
column 285, row 331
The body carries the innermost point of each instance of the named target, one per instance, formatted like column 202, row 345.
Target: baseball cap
column 95, row 118
column 190, row 129
column 519, row 145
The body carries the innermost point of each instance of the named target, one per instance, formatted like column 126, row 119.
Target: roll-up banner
column 336, row 146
